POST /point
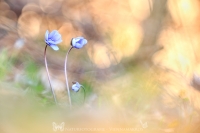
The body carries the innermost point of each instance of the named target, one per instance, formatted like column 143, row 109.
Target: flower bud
column 76, row 86
column 78, row 42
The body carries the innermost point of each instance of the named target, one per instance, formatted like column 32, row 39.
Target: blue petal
column 75, row 88
column 58, row 41
column 78, row 45
column 52, row 34
column 78, row 85
column 46, row 35
column 56, row 37
column 51, row 42
column 85, row 41
column 54, row 47
column 81, row 41
column 74, row 41
column 78, row 42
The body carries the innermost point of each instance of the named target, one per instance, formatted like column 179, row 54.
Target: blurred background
column 140, row 68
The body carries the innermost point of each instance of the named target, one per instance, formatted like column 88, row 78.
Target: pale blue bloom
column 78, row 42
column 76, row 86
column 52, row 39
column 19, row 43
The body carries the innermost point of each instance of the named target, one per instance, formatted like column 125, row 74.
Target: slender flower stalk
column 84, row 92
column 45, row 60
column 51, row 39
column 66, row 79
column 77, row 43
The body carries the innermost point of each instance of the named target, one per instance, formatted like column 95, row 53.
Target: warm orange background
column 141, row 63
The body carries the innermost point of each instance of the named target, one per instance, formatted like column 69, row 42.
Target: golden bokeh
column 99, row 55
column 140, row 67
column 184, row 12
column 29, row 24
column 127, row 39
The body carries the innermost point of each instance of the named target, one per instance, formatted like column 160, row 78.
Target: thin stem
column 84, row 92
column 67, row 78
column 150, row 6
column 45, row 60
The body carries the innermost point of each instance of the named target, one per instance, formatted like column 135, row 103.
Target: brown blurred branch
column 152, row 27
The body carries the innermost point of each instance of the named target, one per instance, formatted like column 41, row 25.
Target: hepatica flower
column 52, row 39
column 78, row 42
column 76, row 87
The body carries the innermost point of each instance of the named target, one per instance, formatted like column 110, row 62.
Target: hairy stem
column 45, row 60
column 67, row 78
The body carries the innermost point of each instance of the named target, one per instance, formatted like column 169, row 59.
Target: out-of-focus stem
column 150, row 6
column 45, row 60
column 67, row 78
column 84, row 92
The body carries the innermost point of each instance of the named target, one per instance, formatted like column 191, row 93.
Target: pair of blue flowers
column 53, row 38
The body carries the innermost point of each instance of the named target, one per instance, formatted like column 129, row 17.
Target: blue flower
column 76, row 86
column 78, row 42
column 52, row 39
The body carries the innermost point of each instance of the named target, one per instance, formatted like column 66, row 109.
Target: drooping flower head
column 76, row 86
column 52, row 39
column 78, row 42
